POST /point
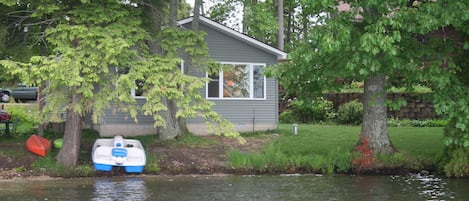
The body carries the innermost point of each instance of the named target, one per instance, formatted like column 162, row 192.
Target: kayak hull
column 38, row 145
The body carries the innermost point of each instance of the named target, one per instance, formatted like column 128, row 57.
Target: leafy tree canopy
column 409, row 42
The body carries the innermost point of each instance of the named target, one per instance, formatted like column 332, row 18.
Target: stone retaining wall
column 417, row 107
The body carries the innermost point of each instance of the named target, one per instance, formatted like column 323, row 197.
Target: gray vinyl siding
column 114, row 116
column 224, row 48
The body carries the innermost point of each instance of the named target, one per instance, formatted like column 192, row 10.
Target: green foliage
column 89, row 134
column 408, row 43
column 95, row 60
column 188, row 140
column 288, row 116
column 273, row 159
column 222, row 12
column 319, row 164
column 458, row 165
column 237, row 160
column 20, row 169
column 456, row 137
column 395, row 122
column 341, row 160
column 350, row 113
column 27, row 114
column 152, row 166
column 48, row 165
column 400, row 160
column 259, row 134
column 313, row 111
column 257, row 162
column 415, row 89
column 259, row 18
column 261, row 22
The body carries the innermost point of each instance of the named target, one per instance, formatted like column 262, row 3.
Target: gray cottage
column 243, row 95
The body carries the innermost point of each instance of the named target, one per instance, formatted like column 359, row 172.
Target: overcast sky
column 191, row 2
column 232, row 23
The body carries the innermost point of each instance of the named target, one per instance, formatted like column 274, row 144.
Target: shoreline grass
column 315, row 149
column 330, row 149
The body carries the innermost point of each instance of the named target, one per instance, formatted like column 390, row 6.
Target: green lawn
column 418, row 142
column 327, row 149
column 424, row 143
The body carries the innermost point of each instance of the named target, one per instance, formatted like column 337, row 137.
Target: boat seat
column 118, row 141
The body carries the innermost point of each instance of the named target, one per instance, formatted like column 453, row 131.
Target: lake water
column 239, row 188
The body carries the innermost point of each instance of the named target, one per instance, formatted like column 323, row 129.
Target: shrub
column 350, row 113
column 27, row 115
column 308, row 111
column 288, row 117
column 437, row 123
column 419, row 123
column 394, row 122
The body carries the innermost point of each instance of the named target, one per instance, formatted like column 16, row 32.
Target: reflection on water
column 129, row 188
column 240, row 188
column 429, row 187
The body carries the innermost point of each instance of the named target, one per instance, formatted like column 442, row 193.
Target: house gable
column 235, row 34
column 229, row 46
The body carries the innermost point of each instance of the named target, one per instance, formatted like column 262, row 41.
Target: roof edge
column 281, row 55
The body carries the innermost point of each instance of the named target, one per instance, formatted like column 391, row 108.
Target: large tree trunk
column 289, row 28
column 280, row 25
column 173, row 12
column 173, row 126
column 195, row 21
column 374, row 127
column 68, row 154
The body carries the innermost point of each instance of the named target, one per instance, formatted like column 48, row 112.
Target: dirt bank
column 16, row 161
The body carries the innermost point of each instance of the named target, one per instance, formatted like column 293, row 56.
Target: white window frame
column 132, row 92
column 251, row 83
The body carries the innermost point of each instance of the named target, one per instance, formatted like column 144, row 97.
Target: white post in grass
column 295, row 129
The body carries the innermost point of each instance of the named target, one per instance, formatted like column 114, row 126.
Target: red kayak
column 38, row 145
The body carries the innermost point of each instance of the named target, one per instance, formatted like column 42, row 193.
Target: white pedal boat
column 117, row 151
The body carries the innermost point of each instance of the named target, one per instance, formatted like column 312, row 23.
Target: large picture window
column 237, row 81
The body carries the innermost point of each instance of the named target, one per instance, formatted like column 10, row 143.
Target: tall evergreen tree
column 98, row 53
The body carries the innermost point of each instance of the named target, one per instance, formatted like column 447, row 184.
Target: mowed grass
column 418, row 142
column 423, row 143
column 319, row 139
column 329, row 149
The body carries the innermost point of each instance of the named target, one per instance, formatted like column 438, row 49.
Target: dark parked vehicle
column 19, row 93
